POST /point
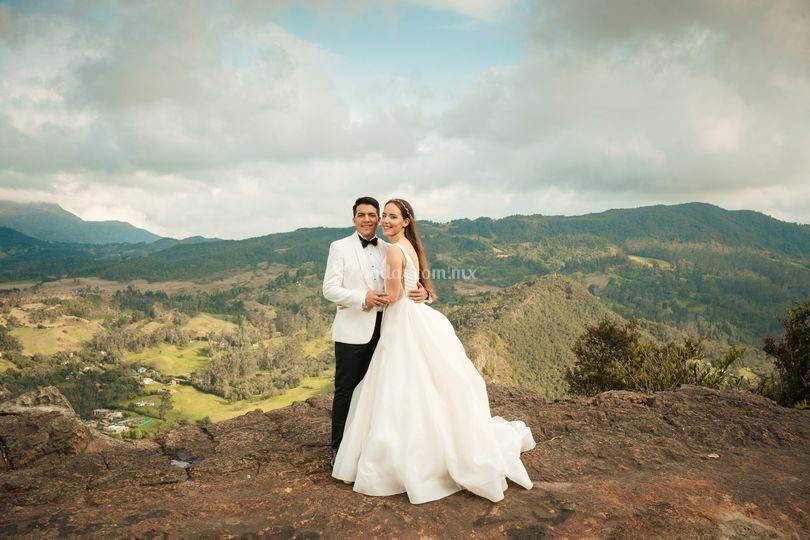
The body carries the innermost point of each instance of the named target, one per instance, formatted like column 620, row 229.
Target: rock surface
column 692, row 463
column 39, row 424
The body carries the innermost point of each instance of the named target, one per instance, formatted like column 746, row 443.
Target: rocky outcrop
column 692, row 463
column 38, row 424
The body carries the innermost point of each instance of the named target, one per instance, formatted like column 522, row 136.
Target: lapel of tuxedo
column 362, row 260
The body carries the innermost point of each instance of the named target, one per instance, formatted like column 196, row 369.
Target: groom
column 353, row 281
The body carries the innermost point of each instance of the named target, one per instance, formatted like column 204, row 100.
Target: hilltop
column 691, row 463
column 522, row 335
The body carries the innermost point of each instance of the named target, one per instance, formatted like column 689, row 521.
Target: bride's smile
column 392, row 222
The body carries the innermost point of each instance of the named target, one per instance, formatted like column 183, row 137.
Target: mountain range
column 693, row 266
column 166, row 258
column 48, row 221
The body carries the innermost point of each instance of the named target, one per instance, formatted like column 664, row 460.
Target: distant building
column 141, row 370
column 145, row 404
column 147, row 380
column 116, row 428
column 107, row 414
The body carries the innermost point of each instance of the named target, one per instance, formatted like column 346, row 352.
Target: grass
column 648, row 261
column 254, row 277
column 20, row 314
column 747, row 374
column 168, row 359
column 145, row 326
column 7, row 285
column 203, row 323
column 598, row 279
column 64, row 337
column 191, row 405
column 151, row 326
column 316, row 346
column 6, row 364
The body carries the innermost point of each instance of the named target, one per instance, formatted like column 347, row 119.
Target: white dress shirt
column 375, row 261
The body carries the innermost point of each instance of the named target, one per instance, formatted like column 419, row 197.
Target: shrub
column 8, row 342
column 610, row 356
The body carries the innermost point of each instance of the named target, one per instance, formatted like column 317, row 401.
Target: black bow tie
column 365, row 242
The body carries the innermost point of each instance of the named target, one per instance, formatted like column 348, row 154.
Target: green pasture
column 171, row 360
column 50, row 340
column 203, row 323
column 191, row 405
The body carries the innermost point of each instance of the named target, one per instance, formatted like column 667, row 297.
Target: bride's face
column 392, row 221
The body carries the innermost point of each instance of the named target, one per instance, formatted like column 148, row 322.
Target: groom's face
column 366, row 219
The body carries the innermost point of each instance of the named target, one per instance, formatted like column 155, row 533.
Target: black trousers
column 351, row 364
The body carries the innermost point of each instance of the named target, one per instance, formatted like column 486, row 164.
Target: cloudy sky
column 237, row 119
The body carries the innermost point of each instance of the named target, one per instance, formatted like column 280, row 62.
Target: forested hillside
column 695, row 266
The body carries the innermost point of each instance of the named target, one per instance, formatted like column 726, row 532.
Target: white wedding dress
column 419, row 422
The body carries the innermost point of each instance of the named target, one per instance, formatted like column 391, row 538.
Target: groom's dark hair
column 366, row 200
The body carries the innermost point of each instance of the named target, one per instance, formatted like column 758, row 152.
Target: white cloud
column 190, row 118
column 478, row 9
column 628, row 98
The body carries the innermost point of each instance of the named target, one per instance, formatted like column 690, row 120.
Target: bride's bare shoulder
column 411, row 250
column 394, row 255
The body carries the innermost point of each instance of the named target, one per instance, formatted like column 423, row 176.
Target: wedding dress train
column 419, row 422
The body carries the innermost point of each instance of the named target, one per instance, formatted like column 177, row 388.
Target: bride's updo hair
column 412, row 234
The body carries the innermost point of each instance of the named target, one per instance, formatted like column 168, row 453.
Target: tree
column 788, row 384
column 8, row 342
column 602, row 352
column 165, row 404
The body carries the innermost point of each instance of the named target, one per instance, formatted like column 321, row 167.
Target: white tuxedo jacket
column 346, row 281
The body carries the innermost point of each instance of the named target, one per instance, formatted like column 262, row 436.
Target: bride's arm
column 395, row 265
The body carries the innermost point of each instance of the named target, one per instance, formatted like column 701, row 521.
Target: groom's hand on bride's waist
column 419, row 294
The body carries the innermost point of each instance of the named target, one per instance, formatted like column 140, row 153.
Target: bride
column 419, row 422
